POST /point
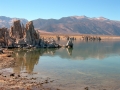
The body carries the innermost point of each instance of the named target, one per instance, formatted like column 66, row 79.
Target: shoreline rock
column 19, row 36
column 13, row 81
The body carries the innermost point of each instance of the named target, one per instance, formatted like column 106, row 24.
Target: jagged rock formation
column 31, row 37
column 3, row 32
column 24, row 35
column 5, row 39
column 3, row 36
column 17, row 31
column 20, row 36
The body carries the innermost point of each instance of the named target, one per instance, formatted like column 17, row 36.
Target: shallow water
column 89, row 64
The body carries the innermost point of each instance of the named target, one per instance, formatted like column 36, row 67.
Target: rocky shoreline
column 12, row 81
column 6, row 61
column 25, row 37
column 20, row 36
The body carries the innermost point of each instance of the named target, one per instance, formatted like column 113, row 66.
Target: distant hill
column 79, row 24
column 7, row 21
column 71, row 25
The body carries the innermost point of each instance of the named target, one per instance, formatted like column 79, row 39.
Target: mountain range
column 71, row 25
column 7, row 21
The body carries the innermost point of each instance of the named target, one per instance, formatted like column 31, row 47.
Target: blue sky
column 46, row 9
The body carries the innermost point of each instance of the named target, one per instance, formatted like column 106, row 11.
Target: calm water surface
column 89, row 64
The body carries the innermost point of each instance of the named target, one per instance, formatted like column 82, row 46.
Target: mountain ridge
column 72, row 24
column 79, row 24
column 7, row 21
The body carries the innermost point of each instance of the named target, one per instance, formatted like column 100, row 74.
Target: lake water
column 89, row 64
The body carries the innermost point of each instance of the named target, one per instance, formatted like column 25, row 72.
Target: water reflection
column 69, row 51
column 27, row 59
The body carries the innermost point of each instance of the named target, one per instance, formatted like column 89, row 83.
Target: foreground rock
column 6, row 59
column 12, row 81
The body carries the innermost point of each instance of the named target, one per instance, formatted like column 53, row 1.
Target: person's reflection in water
column 69, row 50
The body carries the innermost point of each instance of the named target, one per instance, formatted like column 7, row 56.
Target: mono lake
column 89, row 64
